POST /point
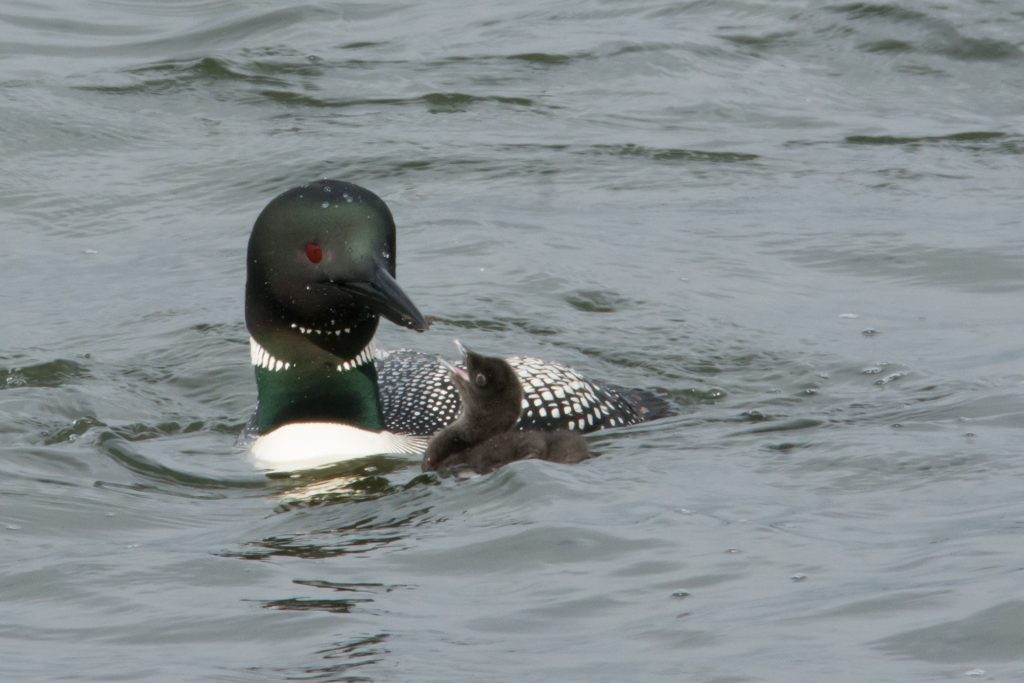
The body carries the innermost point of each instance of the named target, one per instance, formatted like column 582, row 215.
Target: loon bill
column 320, row 275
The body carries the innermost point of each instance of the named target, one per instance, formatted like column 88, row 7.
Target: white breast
column 305, row 445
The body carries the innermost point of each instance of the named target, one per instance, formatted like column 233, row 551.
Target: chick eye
column 314, row 253
column 480, row 379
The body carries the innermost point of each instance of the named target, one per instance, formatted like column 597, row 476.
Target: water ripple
column 199, row 36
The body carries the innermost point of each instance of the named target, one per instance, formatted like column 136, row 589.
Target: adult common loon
column 320, row 274
column 484, row 438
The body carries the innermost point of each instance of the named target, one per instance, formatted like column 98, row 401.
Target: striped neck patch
column 262, row 358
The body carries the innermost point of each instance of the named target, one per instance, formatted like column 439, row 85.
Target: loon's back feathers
column 418, row 397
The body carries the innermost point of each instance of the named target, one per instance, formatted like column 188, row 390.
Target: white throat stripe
column 261, row 358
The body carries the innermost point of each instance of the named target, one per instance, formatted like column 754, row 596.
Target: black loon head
column 320, row 272
column 491, row 395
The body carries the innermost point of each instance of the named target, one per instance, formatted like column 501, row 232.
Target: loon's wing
column 416, row 394
column 418, row 397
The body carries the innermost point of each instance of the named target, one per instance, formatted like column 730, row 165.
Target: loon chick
column 483, row 437
column 320, row 274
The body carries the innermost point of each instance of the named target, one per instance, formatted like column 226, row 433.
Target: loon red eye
column 314, row 253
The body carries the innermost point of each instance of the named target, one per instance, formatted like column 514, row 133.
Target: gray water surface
column 800, row 220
